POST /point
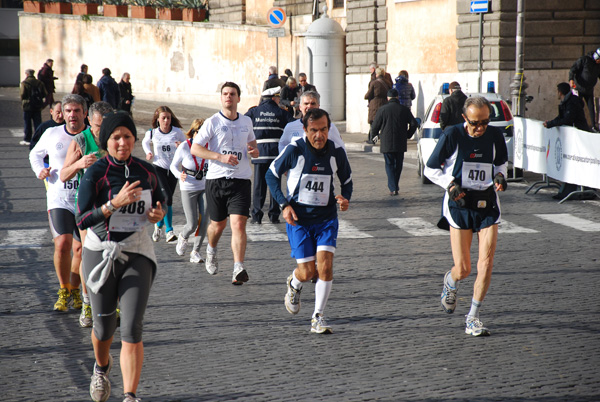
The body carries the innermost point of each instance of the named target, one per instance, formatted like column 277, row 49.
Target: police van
column 430, row 131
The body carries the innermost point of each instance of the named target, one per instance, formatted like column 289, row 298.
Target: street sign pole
column 479, row 64
column 480, row 7
column 276, row 18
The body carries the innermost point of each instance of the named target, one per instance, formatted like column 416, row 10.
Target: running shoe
column 475, row 327
column 129, row 398
column 196, row 257
column 239, row 275
column 292, row 297
column 318, row 325
column 100, row 386
column 76, row 299
column 448, row 297
column 171, row 237
column 181, row 245
column 64, row 296
column 212, row 265
column 85, row 318
column 157, row 233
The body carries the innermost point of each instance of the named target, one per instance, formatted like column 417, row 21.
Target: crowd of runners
column 114, row 206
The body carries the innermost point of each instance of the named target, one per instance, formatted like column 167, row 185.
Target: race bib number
column 314, row 189
column 476, row 176
column 132, row 217
column 68, row 191
column 165, row 150
column 236, row 152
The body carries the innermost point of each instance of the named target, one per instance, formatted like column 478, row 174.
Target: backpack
column 36, row 97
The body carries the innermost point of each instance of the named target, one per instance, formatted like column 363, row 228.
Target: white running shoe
column 171, row 237
column 181, row 245
column 85, row 318
column 212, row 265
column 157, row 233
column 318, row 325
column 239, row 275
column 292, row 297
column 100, row 385
column 448, row 297
column 475, row 327
column 196, row 257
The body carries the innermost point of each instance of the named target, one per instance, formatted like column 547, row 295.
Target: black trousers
column 259, row 194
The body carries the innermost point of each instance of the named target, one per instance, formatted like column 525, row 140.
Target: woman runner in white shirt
column 191, row 172
column 165, row 136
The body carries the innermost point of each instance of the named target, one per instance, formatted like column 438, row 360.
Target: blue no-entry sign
column 480, row 6
column 276, row 17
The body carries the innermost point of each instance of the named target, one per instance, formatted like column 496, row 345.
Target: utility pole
column 518, row 85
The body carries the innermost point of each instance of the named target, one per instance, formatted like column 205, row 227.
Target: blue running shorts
column 307, row 240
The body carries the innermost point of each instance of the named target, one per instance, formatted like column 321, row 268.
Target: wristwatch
column 110, row 207
column 283, row 205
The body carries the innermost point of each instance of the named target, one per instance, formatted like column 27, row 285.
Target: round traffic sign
column 276, row 17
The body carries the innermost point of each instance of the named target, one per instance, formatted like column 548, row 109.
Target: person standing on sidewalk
column 231, row 142
column 394, row 124
column 583, row 76
column 32, row 93
column 452, row 106
column 120, row 196
column 310, row 209
column 165, row 136
column 470, row 162
column 61, row 199
column 46, row 75
column 268, row 121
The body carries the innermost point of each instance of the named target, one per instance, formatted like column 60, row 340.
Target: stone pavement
column 206, row 340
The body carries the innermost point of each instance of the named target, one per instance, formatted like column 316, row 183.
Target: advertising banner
column 530, row 149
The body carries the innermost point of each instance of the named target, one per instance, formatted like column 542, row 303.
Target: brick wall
column 556, row 33
column 228, row 11
column 366, row 37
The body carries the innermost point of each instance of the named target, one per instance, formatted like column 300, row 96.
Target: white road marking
column 571, row 221
column 16, row 132
column 418, row 227
column 509, row 227
column 349, row 231
column 27, row 238
column 264, row 232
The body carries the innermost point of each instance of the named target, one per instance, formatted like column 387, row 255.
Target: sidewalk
column 143, row 111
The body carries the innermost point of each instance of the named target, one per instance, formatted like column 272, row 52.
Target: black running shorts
column 226, row 197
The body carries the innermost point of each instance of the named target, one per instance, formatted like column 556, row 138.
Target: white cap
column 271, row 91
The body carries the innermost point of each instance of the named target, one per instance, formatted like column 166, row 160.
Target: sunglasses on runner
column 481, row 123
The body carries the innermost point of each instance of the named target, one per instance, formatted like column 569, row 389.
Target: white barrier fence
column 563, row 153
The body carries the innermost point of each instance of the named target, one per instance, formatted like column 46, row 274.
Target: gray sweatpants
column 193, row 208
column 128, row 285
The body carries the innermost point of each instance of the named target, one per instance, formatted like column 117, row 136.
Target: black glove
column 499, row 179
column 454, row 191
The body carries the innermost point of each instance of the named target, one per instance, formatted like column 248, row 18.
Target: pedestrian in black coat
column 394, row 124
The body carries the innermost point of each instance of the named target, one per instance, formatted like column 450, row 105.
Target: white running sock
column 475, row 306
column 86, row 298
column 451, row 282
column 211, row 250
column 322, row 290
column 296, row 284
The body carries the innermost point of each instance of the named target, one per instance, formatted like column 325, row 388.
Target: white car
column 430, row 131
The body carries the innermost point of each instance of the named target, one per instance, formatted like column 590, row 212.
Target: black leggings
column 129, row 285
column 168, row 181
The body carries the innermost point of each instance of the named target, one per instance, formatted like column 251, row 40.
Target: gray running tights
column 193, row 207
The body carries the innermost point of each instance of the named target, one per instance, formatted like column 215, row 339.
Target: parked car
column 430, row 131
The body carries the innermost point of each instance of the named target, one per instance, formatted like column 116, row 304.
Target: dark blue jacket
column 268, row 122
column 109, row 90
